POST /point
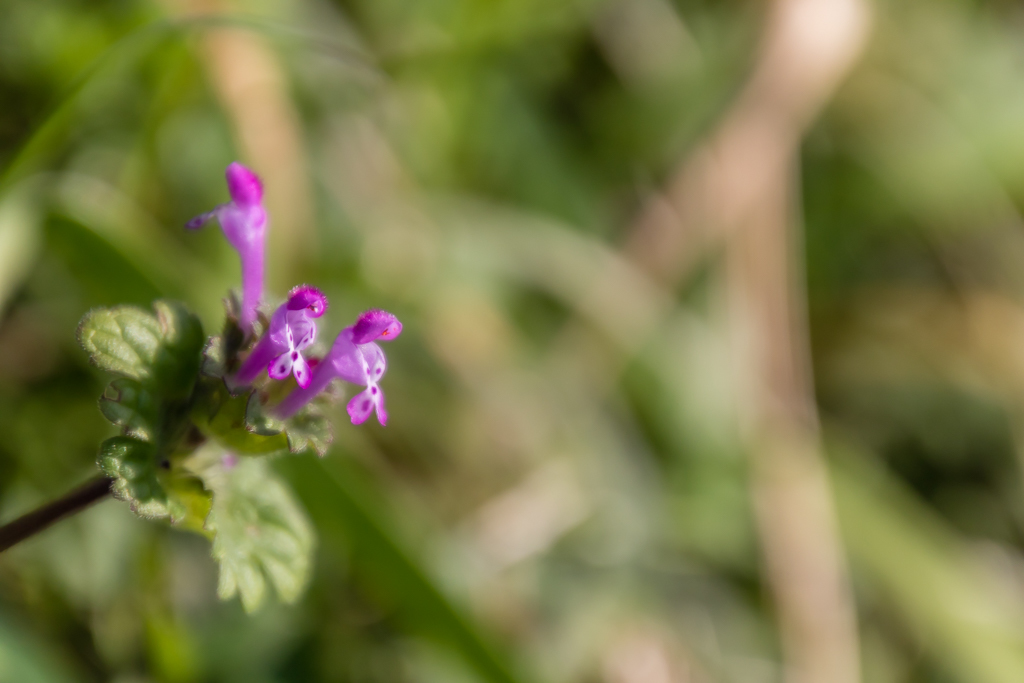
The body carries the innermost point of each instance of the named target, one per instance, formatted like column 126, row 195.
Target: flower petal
column 265, row 351
column 346, row 360
column 301, row 370
column 244, row 185
column 282, row 365
column 360, row 407
column 376, row 361
column 378, row 401
column 202, row 219
column 309, row 298
column 303, row 329
column 361, row 364
column 375, row 324
column 293, row 402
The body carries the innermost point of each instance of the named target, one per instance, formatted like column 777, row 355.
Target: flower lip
column 199, row 221
column 354, row 357
column 308, row 297
column 243, row 185
column 375, row 324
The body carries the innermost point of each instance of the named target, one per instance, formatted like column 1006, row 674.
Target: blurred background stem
column 739, row 187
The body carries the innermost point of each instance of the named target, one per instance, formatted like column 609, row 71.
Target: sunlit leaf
column 161, row 351
column 261, row 533
column 124, row 340
column 309, row 430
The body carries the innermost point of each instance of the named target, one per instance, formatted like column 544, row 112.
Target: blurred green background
column 563, row 492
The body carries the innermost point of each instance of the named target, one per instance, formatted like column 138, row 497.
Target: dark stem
column 37, row 520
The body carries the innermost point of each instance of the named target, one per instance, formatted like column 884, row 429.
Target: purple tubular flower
column 292, row 329
column 355, row 357
column 244, row 221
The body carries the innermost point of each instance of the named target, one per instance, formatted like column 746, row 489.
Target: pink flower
column 292, row 329
column 244, row 221
column 355, row 357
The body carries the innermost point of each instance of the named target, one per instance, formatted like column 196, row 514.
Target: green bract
column 182, row 430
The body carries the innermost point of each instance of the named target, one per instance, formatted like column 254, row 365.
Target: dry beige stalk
column 250, row 84
column 739, row 187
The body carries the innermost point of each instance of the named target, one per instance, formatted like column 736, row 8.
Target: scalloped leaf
column 132, row 464
column 151, row 490
column 161, row 351
column 308, row 429
column 261, row 533
column 123, row 340
column 129, row 405
column 191, row 503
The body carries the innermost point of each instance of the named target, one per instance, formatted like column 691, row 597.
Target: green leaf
column 180, row 351
column 129, row 405
column 190, row 502
column 261, row 533
column 123, row 340
column 132, row 464
column 214, row 359
column 309, row 430
column 150, row 489
column 160, row 351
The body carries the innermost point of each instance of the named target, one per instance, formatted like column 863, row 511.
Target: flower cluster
column 355, row 355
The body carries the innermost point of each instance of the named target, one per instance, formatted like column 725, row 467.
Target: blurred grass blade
column 342, row 502
column 50, row 133
column 930, row 576
column 26, row 661
column 19, row 238
column 105, row 276
column 112, row 216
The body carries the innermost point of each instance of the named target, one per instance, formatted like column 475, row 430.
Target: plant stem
column 33, row 522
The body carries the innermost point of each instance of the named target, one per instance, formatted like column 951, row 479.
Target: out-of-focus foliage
column 556, row 497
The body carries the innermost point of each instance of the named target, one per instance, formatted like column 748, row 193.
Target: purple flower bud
column 355, row 357
column 292, row 329
column 244, row 221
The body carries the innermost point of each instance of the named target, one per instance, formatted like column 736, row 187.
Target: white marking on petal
column 360, row 407
column 302, row 374
column 281, row 367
